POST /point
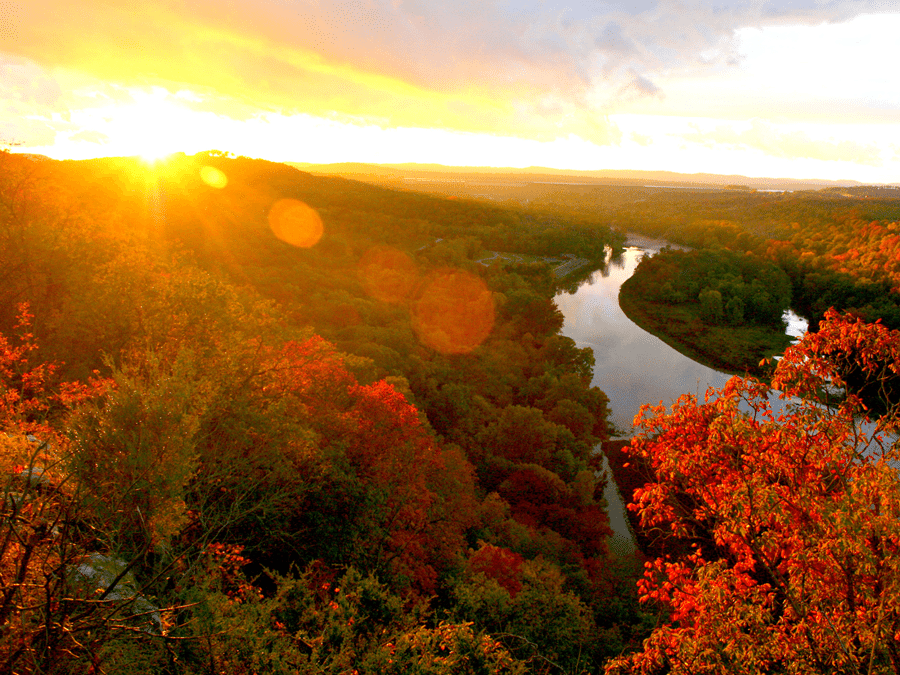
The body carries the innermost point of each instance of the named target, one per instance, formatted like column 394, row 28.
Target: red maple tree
column 424, row 493
column 787, row 520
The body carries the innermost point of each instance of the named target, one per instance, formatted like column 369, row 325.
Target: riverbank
column 734, row 350
column 629, row 473
column 628, row 476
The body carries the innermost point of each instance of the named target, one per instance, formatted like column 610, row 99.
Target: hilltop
column 440, row 173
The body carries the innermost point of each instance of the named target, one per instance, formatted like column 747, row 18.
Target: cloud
column 790, row 144
column 611, row 40
column 640, row 86
column 640, row 139
column 27, row 132
column 465, row 65
column 23, row 81
column 90, row 136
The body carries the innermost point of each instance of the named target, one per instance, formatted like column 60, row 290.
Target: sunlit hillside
column 298, row 387
column 260, row 420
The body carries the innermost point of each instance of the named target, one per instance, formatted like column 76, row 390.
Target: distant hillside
column 437, row 172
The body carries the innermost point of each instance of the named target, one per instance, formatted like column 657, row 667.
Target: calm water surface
column 632, row 367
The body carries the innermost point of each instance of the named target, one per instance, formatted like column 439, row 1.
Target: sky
column 794, row 88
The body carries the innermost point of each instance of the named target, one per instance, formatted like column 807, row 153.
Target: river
column 632, row 366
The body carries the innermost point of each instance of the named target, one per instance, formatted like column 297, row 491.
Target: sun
column 153, row 155
column 156, row 127
column 151, row 125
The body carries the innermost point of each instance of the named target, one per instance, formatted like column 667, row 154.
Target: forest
column 296, row 427
column 837, row 247
column 261, row 421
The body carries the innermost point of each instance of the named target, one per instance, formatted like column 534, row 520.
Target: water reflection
column 796, row 325
column 632, row 366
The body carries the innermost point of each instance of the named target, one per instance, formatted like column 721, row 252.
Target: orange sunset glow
column 803, row 90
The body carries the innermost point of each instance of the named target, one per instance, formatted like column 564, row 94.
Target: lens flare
column 295, row 223
column 213, row 177
column 387, row 274
column 455, row 312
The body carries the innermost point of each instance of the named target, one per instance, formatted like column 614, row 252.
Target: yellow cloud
column 244, row 58
column 147, row 43
column 377, row 80
column 788, row 143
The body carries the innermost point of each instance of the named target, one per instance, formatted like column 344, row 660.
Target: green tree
column 135, row 450
column 734, row 310
column 711, row 305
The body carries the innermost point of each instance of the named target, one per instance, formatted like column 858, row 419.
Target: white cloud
column 91, row 136
column 584, row 50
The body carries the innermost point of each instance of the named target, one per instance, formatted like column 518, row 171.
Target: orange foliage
column 426, row 495
column 500, row 564
column 29, row 392
column 792, row 521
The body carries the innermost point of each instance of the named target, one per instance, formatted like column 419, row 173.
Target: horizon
column 396, row 169
column 351, row 168
column 588, row 173
column 746, row 89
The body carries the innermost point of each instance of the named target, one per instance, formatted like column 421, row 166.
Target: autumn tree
column 61, row 602
column 299, row 461
column 787, row 518
column 21, row 234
